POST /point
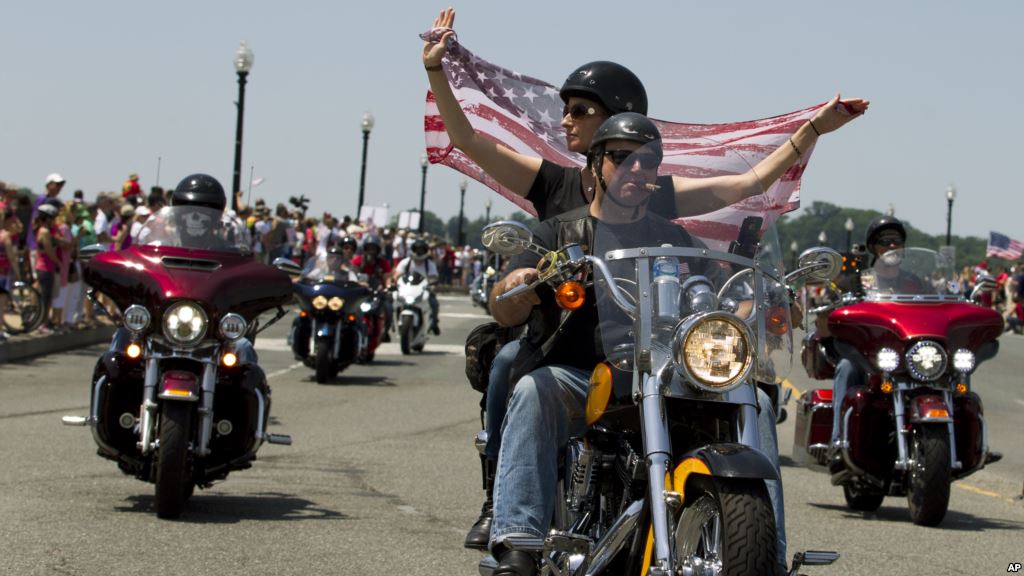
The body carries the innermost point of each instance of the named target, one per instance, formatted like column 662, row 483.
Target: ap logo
column 1014, row 567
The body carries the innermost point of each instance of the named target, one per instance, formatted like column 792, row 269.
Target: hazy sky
column 96, row 90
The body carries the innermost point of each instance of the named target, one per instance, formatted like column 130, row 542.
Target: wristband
column 795, row 149
column 813, row 127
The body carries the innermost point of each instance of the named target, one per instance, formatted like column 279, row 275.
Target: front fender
column 324, row 330
column 729, row 460
column 928, row 408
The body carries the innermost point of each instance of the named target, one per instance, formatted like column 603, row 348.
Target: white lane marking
column 408, row 509
column 283, row 370
column 464, row 315
column 464, row 298
column 386, row 349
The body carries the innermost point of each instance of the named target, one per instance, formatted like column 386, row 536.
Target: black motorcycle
column 331, row 331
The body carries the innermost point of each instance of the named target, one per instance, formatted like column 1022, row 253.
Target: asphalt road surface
column 383, row 479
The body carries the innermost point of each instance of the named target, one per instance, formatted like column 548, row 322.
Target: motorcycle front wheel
column 405, row 329
column 929, row 478
column 173, row 481
column 727, row 528
column 323, row 362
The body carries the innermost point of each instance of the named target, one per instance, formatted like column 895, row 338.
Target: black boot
column 480, row 534
column 515, row 563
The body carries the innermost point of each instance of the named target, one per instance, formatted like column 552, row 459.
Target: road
column 383, row 479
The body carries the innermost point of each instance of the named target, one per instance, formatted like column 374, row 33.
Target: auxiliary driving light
column 229, row 359
column 133, row 351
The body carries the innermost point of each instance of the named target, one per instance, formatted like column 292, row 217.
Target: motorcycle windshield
column 196, row 228
column 327, row 268
column 719, row 273
column 911, row 274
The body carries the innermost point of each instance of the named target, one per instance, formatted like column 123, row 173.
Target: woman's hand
column 434, row 51
column 837, row 113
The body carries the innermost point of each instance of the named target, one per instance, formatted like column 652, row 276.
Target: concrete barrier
column 30, row 345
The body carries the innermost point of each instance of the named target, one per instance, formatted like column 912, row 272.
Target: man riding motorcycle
column 420, row 261
column 378, row 274
column 547, row 405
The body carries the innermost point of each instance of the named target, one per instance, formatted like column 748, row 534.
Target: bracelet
column 813, row 127
column 795, row 149
column 433, row 68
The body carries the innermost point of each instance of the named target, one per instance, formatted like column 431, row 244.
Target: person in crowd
column 54, row 184
column 419, row 260
column 131, row 191
column 10, row 229
column 105, row 217
column 121, row 228
column 156, row 200
column 47, row 263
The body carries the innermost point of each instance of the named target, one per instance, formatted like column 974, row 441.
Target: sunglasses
column 578, row 111
column 647, row 161
column 890, row 240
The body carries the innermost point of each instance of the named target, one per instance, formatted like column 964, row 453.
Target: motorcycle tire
column 863, row 498
column 405, row 329
column 172, row 473
column 737, row 514
column 323, row 363
column 928, row 479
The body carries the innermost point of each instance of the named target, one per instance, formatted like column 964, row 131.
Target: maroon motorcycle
column 179, row 399
column 915, row 424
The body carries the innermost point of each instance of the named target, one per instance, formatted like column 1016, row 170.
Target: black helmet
column 628, row 126
column 882, row 223
column 419, row 250
column 348, row 241
column 371, row 240
column 610, row 84
column 199, row 190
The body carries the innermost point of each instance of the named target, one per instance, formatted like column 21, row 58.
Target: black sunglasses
column 889, row 241
column 647, row 161
column 578, row 111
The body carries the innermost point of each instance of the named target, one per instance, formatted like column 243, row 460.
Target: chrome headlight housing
column 714, row 352
column 136, row 318
column 185, row 323
column 926, row 360
column 319, row 302
column 887, row 360
column 335, row 303
column 233, row 326
column 964, row 361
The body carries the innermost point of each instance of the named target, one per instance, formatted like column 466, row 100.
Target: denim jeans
column 497, row 396
column 847, row 374
column 547, row 408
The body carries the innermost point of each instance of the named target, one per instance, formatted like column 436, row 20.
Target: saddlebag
column 813, row 427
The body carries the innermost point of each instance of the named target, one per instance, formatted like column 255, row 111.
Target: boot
column 480, row 534
column 515, row 563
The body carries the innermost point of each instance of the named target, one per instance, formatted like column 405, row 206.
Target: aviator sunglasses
column 578, row 111
column 889, row 240
column 647, row 161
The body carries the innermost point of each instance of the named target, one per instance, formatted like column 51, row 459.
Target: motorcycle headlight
column 365, row 306
column 713, row 351
column 887, row 360
column 926, row 360
column 136, row 318
column 232, row 326
column 320, row 302
column 964, row 361
column 185, row 323
column 335, row 303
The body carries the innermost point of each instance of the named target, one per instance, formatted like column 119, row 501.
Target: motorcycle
column 668, row 478
column 179, row 399
column 917, row 425
column 414, row 316
column 480, row 289
column 340, row 321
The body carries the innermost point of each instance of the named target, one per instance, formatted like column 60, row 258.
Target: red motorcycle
column 179, row 399
column 915, row 425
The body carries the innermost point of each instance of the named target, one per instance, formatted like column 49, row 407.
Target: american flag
column 524, row 114
column 1002, row 246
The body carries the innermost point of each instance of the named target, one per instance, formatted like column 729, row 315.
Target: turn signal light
column 570, row 295
column 133, row 350
column 886, row 387
column 229, row 359
column 599, row 393
column 351, row 317
column 936, row 413
column 303, row 314
column 777, row 322
column 961, row 388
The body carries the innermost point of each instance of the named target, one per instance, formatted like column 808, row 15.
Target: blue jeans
column 847, row 374
column 547, row 408
column 497, row 396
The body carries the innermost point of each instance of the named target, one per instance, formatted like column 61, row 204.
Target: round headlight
column 136, row 318
column 232, row 326
column 926, row 360
column 713, row 351
column 185, row 323
column 887, row 360
column 365, row 306
column 335, row 303
column 320, row 302
column 964, row 361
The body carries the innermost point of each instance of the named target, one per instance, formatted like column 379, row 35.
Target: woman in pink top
column 47, row 258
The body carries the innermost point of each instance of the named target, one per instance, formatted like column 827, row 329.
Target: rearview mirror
column 287, row 266
column 507, row 237
column 819, row 263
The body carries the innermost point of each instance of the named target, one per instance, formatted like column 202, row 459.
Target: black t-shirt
column 579, row 343
column 559, row 189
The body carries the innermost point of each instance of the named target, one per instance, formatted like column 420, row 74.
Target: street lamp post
column 487, row 207
column 793, row 246
column 423, row 190
column 462, row 202
column 950, row 196
column 822, row 238
column 243, row 63
column 849, row 233
column 367, row 125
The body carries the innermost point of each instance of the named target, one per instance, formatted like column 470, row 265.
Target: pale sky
column 96, row 90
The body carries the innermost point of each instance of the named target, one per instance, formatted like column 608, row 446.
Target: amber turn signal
column 886, row 387
column 778, row 320
column 961, row 388
column 570, row 295
column 599, row 393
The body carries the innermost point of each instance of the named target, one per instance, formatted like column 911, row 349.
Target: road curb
column 22, row 347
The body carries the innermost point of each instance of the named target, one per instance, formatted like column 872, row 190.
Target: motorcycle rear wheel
column 929, row 476
column 323, row 362
column 727, row 527
column 405, row 328
column 173, row 479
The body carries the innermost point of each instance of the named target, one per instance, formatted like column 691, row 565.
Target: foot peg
column 282, row 439
column 812, row 558
column 75, row 421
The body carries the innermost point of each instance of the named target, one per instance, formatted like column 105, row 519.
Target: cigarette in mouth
column 652, row 187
